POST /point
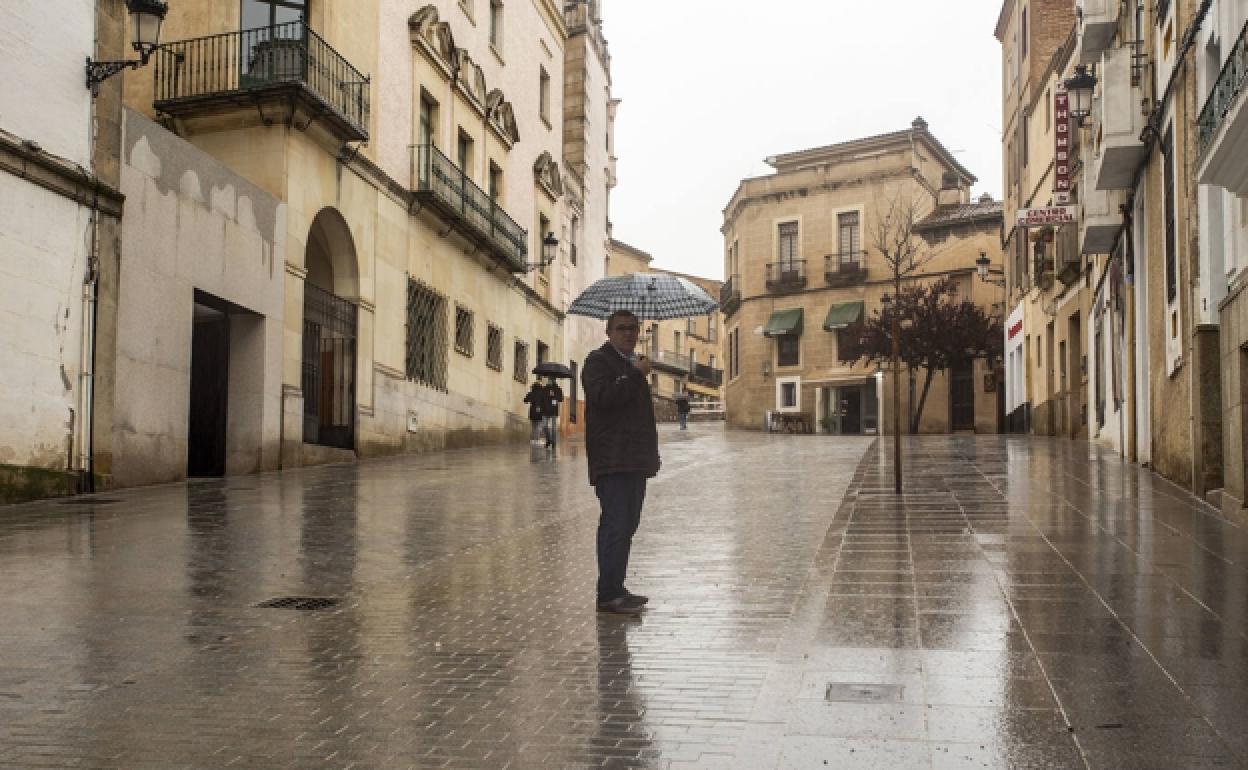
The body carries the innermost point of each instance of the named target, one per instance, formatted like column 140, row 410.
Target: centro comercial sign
column 1049, row 215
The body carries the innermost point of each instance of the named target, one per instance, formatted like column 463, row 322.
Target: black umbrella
column 552, row 369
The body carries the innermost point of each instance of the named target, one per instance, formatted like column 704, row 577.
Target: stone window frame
column 796, row 382
column 465, row 323
column 520, row 361
column 494, row 346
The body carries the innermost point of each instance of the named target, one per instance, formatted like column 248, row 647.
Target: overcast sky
column 711, row 87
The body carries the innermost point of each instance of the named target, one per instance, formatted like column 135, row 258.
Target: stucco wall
column 190, row 224
column 43, row 254
column 43, row 94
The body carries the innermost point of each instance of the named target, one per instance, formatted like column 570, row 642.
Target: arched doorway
column 329, row 333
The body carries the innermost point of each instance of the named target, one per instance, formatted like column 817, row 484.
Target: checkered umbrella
column 650, row 296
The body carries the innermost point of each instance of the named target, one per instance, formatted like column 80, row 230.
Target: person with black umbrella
column 550, row 412
column 536, row 399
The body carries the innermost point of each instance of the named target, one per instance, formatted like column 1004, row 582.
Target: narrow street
column 1029, row 603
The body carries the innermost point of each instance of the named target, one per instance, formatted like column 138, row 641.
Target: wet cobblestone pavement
column 1027, row 604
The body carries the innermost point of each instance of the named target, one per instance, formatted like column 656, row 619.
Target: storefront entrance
column 849, row 410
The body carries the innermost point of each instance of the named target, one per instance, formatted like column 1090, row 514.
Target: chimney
column 951, row 192
column 985, row 198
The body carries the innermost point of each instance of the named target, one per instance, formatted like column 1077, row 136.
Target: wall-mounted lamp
column 981, row 267
column 550, row 248
column 1080, row 87
column 146, row 16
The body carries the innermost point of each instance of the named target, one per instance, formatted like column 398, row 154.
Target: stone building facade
column 59, row 214
column 1153, row 266
column 803, row 268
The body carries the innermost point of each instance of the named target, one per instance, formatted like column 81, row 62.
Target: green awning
column 843, row 314
column 782, row 322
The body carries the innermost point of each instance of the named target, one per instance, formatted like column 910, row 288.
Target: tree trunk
column 918, row 413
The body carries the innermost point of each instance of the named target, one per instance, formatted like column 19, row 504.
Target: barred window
column 521, row 370
column 463, row 330
column 426, row 335
column 494, row 347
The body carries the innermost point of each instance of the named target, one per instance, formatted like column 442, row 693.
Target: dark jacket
column 620, row 434
column 554, row 397
column 682, row 405
column 536, row 399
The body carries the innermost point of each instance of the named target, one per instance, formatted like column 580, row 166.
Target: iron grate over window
column 426, row 335
column 521, row 369
column 306, row 603
column 494, row 347
column 463, row 330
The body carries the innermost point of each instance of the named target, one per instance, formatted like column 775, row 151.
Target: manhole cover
column 89, row 501
column 299, row 603
column 853, row 692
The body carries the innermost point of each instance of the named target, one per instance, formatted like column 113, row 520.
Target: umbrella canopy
column 650, row 296
column 552, row 369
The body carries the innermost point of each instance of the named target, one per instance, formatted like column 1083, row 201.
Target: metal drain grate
column 854, row 692
column 89, row 501
column 299, row 603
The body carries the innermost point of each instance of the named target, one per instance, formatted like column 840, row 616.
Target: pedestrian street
column 1028, row 603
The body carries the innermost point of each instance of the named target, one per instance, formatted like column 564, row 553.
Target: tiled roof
column 961, row 213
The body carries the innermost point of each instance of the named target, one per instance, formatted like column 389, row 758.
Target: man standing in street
column 622, row 445
column 554, row 397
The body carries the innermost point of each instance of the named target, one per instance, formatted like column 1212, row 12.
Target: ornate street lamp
column 550, row 249
column 1080, row 88
column 981, row 267
column 146, row 16
column 886, row 302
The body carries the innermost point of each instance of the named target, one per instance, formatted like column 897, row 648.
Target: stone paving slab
column 1025, row 603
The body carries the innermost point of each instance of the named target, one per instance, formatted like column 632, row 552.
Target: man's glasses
column 627, row 327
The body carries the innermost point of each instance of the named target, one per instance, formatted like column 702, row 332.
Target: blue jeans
column 620, row 496
column 684, row 419
column 550, row 426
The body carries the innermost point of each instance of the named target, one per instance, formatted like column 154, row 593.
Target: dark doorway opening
column 210, row 378
column 962, row 396
column 851, row 410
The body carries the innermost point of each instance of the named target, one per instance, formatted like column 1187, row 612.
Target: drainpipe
column 90, row 303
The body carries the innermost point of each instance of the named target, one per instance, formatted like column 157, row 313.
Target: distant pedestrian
column 622, row 446
column 554, row 397
column 536, row 399
column 682, row 410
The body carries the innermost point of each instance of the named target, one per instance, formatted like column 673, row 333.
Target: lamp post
column 887, row 303
column 146, row 16
column 982, row 269
column 1080, row 86
column 550, row 246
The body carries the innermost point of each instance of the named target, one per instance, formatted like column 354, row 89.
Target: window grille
column 463, row 330
column 426, row 335
column 788, row 245
column 494, row 347
column 850, row 236
column 521, row 365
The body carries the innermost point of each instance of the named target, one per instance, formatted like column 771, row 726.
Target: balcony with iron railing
column 287, row 64
column 440, row 185
column 845, row 268
column 788, row 275
column 670, row 361
column 1222, row 128
column 705, row 374
column 730, row 295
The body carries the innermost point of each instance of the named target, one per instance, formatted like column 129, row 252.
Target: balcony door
column 272, row 46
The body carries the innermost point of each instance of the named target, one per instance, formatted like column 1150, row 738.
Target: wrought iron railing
column 707, row 374
column 730, row 289
column 436, row 178
column 671, row 359
column 257, row 59
column 789, row 273
column 1230, row 83
column 845, row 267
